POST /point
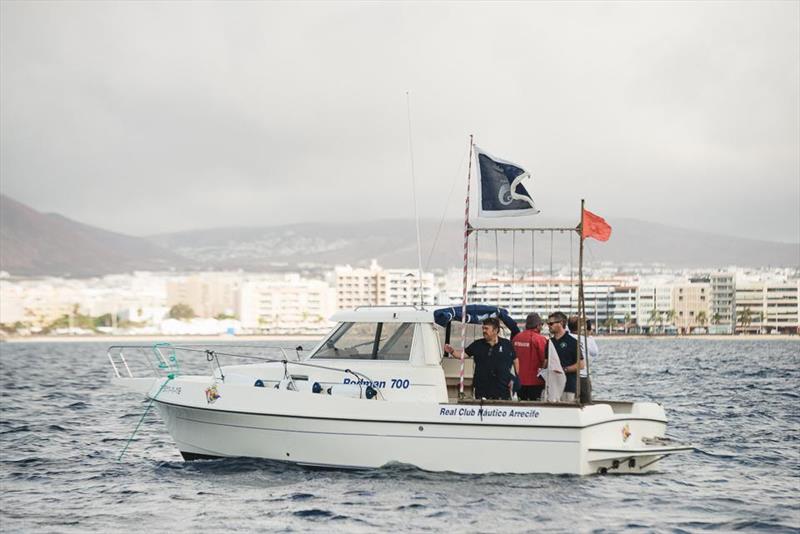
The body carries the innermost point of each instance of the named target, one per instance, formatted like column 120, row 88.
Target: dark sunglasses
column 551, row 323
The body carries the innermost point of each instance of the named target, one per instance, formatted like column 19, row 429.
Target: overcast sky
column 154, row 117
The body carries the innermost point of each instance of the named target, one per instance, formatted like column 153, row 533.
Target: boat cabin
column 401, row 341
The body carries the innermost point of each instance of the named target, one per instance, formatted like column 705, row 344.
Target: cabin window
column 368, row 341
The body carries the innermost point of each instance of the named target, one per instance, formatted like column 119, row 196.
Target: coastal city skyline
column 633, row 300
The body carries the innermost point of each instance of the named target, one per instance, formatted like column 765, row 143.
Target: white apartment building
column 208, row 294
column 604, row 299
column 766, row 306
column 39, row 302
column 376, row 286
column 286, row 304
column 691, row 303
column 12, row 303
column 723, row 303
column 653, row 303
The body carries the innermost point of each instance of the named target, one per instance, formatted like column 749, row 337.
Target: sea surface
column 63, row 427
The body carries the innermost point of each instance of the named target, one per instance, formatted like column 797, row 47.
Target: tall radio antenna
column 414, row 194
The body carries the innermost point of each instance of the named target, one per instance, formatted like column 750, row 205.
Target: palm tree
column 670, row 316
column 655, row 317
column 701, row 318
column 745, row 317
column 716, row 318
column 610, row 323
column 627, row 321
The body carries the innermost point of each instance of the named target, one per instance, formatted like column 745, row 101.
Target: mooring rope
column 146, row 410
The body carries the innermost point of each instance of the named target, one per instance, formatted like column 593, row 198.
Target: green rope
column 146, row 410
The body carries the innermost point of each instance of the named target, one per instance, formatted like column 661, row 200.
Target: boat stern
column 628, row 437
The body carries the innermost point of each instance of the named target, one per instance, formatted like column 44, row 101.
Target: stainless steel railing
column 161, row 359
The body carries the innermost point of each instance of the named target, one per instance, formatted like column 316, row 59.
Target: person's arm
column 456, row 353
column 453, row 352
column 574, row 367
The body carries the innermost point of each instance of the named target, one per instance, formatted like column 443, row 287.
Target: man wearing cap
column 530, row 346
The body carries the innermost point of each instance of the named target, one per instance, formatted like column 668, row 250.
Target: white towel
column 555, row 379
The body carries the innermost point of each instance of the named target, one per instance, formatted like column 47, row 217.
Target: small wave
column 412, row 506
column 440, row 513
column 28, row 476
column 22, row 428
column 360, row 493
column 25, row 461
column 745, row 525
column 726, row 455
column 313, row 513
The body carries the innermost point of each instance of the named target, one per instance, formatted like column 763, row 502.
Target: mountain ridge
column 632, row 241
column 35, row 244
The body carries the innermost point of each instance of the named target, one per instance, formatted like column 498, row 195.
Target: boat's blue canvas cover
column 476, row 313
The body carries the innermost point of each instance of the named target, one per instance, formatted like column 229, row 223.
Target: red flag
column 595, row 226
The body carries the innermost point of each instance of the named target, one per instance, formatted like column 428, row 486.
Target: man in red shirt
column 529, row 346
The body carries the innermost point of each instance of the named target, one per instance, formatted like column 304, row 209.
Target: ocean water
column 63, row 426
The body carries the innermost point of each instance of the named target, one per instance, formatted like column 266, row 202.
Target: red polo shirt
column 529, row 346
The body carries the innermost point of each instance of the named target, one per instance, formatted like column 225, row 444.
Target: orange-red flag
column 595, row 226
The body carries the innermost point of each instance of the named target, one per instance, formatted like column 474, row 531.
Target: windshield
column 368, row 341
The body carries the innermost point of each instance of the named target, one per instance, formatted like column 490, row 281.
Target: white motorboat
column 377, row 390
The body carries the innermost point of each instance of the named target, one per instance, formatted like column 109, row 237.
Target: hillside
column 393, row 244
column 34, row 243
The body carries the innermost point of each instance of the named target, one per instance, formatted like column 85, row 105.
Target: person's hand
column 449, row 349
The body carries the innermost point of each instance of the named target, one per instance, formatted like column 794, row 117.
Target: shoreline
column 748, row 337
column 115, row 340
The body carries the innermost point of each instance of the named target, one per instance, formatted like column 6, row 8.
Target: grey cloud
column 150, row 117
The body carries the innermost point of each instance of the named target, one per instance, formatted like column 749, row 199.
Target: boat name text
column 394, row 383
column 516, row 413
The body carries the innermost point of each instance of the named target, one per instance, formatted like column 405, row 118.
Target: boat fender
column 316, row 388
column 259, row 383
column 371, row 392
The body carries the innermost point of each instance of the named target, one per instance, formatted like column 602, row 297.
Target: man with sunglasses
column 589, row 354
column 567, row 348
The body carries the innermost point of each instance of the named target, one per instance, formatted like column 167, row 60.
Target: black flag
column 501, row 190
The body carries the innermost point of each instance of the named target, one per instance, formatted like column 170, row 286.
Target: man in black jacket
column 494, row 357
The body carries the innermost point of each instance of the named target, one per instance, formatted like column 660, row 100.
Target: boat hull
column 314, row 430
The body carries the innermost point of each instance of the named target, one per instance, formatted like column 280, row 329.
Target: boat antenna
column 414, row 194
